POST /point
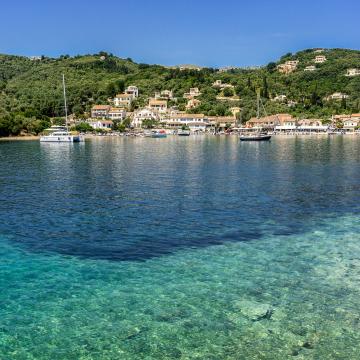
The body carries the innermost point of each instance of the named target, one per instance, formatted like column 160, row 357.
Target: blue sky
column 210, row 33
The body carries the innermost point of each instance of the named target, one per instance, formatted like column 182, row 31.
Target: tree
column 265, row 91
column 228, row 92
column 270, row 67
column 149, row 123
column 127, row 122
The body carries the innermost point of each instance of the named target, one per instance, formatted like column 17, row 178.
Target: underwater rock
column 254, row 311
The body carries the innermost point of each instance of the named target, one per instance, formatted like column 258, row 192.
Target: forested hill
column 31, row 90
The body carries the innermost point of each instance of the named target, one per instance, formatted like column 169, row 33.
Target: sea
column 200, row 247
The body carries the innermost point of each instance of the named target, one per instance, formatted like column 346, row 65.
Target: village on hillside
column 157, row 114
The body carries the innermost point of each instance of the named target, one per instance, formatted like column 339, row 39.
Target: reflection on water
column 131, row 199
column 282, row 281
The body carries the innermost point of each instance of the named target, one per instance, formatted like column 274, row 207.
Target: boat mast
column 258, row 103
column 65, row 104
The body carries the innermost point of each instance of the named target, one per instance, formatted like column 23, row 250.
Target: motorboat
column 255, row 137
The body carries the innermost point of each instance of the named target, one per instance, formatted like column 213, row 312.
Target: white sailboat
column 62, row 134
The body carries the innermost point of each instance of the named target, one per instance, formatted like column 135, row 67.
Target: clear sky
column 203, row 32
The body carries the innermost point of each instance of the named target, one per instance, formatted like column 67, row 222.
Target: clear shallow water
column 199, row 248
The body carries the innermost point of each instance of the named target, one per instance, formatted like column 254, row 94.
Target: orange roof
column 124, row 96
column 188, row 116
column 101, row 107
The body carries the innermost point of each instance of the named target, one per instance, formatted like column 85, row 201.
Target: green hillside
column 31, row 91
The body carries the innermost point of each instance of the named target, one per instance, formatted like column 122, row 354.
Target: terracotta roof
column 188, row 116
column 124, row 96
column 157, row 102
column 101, row 107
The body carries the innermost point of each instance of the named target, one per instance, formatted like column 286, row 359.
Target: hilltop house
column 192, row 93
column 319, row 59
column 164, row 94
column 288, row 66
column 219, row 84
column 123, row 100
column 353, row 72
column 279, row 98
column 133, row 91
column 100, row 111
column 310, row 68
column 336, row 96
column 192, row 103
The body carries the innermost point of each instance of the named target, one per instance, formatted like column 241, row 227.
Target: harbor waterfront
column 184, row 247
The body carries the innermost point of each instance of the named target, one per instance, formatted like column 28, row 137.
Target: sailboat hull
column 61, row 138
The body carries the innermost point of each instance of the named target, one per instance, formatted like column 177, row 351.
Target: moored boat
column 255, row 137
column 61, row 133
column 158, row 134
column 183, row 132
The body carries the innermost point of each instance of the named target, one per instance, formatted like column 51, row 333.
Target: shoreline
column 17, row 138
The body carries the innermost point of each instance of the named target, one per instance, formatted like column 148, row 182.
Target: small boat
column 158, row 134
column 61, row 133
column 183, row 132
column 255, row 137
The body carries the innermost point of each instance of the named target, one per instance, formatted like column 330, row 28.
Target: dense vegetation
column 31, row 91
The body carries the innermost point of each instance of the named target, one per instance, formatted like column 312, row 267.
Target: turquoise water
column 199, row 248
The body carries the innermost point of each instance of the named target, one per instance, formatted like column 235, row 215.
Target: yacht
column 61, row 133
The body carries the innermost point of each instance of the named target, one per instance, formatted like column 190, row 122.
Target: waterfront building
column 117, row 114
column 196, row 122
column 101, row 124
column 222, row 122
column 100, row 111
column 141, row 115
column 270, row 122
column 349, row 122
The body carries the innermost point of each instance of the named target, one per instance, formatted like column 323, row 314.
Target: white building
column 337, row 96
column 192, row 93
column 133, row 91
column 141, row 115
column 117, row 114
column 123, row 100
column 320, row 59
column 353, row 72
column 158, row 105
column 100, row 111
column 221, row 85
column 279, row 98
column 288, row 66
column 101, row 124
column 310, row 68
column 196, row 122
